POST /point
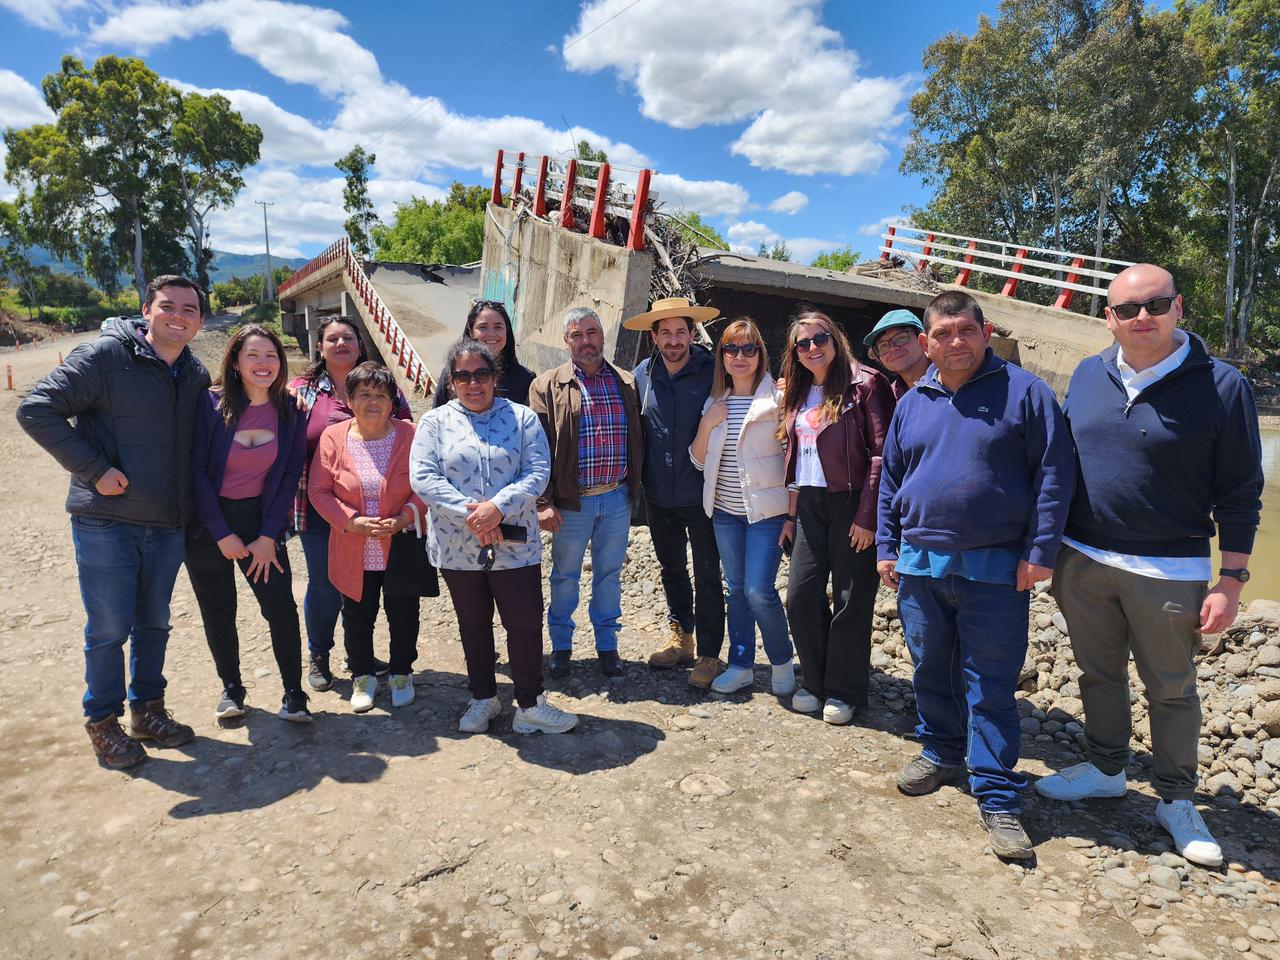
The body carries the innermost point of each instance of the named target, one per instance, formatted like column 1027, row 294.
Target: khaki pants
column 1110, row 612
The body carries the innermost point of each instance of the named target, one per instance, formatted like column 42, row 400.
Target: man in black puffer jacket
column 132, row 394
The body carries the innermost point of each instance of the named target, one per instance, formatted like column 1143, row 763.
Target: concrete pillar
column 313, row 329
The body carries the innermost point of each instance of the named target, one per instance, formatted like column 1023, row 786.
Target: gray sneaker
column 1008, row 839
column 922, row 776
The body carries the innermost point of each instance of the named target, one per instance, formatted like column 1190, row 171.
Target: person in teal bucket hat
column 896, row 343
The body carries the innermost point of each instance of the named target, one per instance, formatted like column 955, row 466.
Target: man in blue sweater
column 1167, row 443
column 977, row 479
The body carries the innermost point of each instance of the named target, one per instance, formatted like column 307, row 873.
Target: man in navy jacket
column 977, row 480
column 1167, row 442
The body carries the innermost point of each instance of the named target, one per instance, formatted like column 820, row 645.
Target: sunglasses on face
column 818, row 340
column 1156, row 308
column 895, row 342
column 748, row 350
column 481, row 377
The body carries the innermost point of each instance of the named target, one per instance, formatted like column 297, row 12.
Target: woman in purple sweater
column 249, row 451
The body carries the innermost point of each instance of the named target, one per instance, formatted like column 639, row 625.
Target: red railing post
column 639, row 210
column 925, row 251
column 889, row 243
column 540, row 192
column 1064, row 296
column 515, row 187
column 597, row 209
column 496, row 197
column 566, row 201
column 1011, row 285
column 962, row 278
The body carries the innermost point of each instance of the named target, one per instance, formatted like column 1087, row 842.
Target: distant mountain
column 224, row 267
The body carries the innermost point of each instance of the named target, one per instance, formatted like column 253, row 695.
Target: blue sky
column 777, row 119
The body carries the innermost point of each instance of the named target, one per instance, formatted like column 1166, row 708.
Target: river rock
column 1267, row 715
column 1164, row 877
column 1268, row 610
column 1224, row 784
column 705, row 784
column 1238, row 664
column 1269, row 656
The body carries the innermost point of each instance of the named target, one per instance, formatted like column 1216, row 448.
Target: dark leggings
column 213, row 581
column 359, row 616
column 518, row 595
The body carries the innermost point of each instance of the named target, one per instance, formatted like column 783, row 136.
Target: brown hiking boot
column 115, row 748
column 678, row 650
column 154, row 722
column 706, row 670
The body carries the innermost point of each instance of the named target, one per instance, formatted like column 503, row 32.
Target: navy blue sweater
column 671, row 409
column 1156, row 472
column 988, row 466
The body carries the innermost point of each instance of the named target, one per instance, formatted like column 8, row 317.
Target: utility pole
column 269, row 288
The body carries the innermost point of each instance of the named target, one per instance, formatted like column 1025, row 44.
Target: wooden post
column 925, row 251
column 889, row 243
column 496, row 196
column 639, row 210
column 515, row 187
column 962, row 278
column 566, row 201
column 1011, row 285
column 596, row 228
column 540, row 192
column 1065, row 296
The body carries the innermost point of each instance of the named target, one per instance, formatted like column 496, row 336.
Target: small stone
column 705, row 784
column 1060, row 621
column 1225, row 783
column 1165, row 877
column 1262, row 934
column 1122, row 877
column 1267, row 715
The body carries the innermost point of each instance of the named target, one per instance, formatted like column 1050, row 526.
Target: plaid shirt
column 602, row 430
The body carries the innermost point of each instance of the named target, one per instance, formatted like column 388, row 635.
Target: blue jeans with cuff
column 749, row 556
column 604, row 523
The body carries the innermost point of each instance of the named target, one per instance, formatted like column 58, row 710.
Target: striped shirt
column 602, row 429
column 728, row 479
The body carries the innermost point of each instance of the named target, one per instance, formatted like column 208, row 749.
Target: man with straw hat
column 673, row 383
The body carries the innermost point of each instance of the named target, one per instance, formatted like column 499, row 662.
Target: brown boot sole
column 665, row 665
column 120, row 763
column 172, row 742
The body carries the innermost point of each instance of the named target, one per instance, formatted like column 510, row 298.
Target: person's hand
column 1029, row 574
column 112, row 483
column 393, row 525
column 232, row 547
column 888, row 570
column 1221, row 604
column 263, row 554
column 492, row 538
column 788, row 534
column 482, row 517
column 715, row 414
column 860, row 537
column 366, row 527
column 549, row 519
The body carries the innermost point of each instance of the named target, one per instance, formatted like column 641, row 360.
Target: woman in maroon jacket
column 835, row 413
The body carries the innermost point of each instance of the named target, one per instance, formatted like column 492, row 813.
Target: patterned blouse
column 371, row 458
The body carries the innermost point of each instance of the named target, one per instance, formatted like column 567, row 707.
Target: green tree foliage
column 839, row 260
column 436, row 231
column 15, row 255
column 779, row 250
column 361, row 218
column 587, row 152
column 239, row 291
column 693, row 229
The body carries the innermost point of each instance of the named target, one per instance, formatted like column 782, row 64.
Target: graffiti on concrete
column 500, row 284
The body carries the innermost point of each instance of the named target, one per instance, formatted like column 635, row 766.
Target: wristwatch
column 1240, row 574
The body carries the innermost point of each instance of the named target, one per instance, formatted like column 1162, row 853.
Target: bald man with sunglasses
column 1166, row 438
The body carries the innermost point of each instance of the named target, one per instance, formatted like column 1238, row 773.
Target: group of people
column 950, row 476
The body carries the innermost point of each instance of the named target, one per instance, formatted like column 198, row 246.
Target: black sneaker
column 380, row 667
column 231, row 705
column 558, row 664
column 610, row 663
column 1008, row 839
column 320, row 677
column 922, row 776
column 294, row 707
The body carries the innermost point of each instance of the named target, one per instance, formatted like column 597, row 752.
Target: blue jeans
column 749, row 556
column 127, row 572
column 604, row 522
column 968, row 640
column 322, row 602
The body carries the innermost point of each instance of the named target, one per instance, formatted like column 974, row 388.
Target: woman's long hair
column 799, row 380
column 317, row 367
column 234, row 400
column 507, row 359
column 741, row 330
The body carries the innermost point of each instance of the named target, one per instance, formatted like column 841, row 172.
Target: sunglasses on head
column 1156, row 308
column 748, row 350
column 481, row 377
column 818, row 340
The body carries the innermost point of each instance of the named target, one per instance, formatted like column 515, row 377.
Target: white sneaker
column 805, row 702
column 478, row 715
column 733, row 680
column 784, row 679
column 543, row 717
column 363, row 690
column 837, row 712
column 1083, row 781
column 1190, row 835
column 401, row 689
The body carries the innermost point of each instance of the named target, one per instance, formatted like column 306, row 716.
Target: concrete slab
column 429, row 302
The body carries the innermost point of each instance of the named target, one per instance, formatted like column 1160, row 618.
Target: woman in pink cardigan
column 359, row 483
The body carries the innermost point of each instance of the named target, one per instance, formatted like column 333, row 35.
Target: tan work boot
column 154, row 722
column 706, row 670
column 678, row 650
column 114, row 747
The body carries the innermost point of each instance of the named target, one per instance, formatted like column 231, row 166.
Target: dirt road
column 667, row 825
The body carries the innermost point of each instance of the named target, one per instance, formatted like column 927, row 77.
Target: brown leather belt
column 596, row 491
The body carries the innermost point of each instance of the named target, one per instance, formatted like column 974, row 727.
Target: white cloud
column 707, row 197
column 790, row 203
column 47, row 14
column 746, row 237
column 21, row 105
column 809, row 108
column 881, row 225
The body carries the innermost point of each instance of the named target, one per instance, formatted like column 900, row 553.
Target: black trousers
column 213, row 581
column 834, row 644
column 359, row 616
column 518, row 595
column 673, row 529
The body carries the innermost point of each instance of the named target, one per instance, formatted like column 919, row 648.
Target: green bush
column 267, row 315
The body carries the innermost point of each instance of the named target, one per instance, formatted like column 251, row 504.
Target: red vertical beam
column 540, row 192
column 515, row 187
column 1011, row 285
column 962, row 278
column 496, row 196
column 597, row 209
column 1064, row 296
column 635, row 239
column 889, row 243
column 925, row 251
column 566, row 201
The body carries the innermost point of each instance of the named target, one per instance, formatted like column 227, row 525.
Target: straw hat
column 671, row 307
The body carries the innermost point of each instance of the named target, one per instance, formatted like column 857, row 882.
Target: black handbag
column 409, row 572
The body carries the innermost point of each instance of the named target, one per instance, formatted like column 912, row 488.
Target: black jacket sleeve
column 73, row 388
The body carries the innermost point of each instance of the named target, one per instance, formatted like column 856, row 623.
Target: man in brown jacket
column 591, row 414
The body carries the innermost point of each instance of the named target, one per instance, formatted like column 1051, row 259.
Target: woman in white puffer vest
column 745, row 494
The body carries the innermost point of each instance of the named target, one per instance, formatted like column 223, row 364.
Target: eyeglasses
column 893, row 343
column 1156, row 308
column 819, row 340
column 748, row 350
column 481, row 377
